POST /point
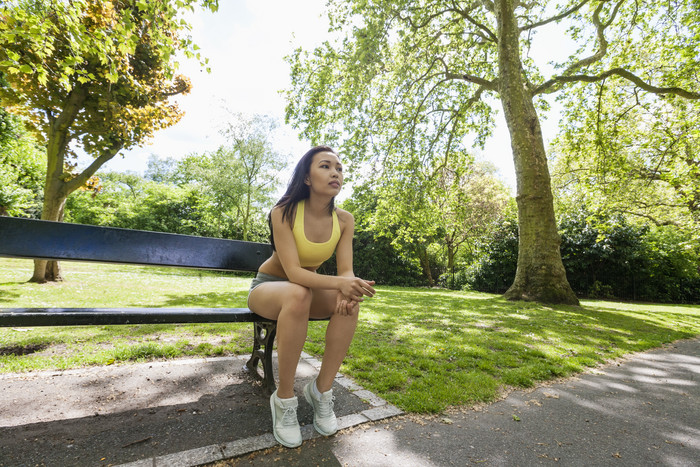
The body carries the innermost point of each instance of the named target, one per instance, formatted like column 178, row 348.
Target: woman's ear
column 307, row 181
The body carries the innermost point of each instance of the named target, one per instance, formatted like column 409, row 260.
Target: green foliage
column 241, row 176
column 629, row 148
column 105, row 68
column 495, row 269
column 632, row 155
column 603, row 256
column 431, row 216
column 375, row 258
column 402, row 85
column 22, row 168
column 162, row 170
column 99, row 75
column 606, row 257
column 128, row 201
column 224, row 193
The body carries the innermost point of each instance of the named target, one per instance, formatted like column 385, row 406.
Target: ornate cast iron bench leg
column 263, row 341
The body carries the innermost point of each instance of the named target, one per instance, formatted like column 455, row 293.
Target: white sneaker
column 324, row 418
column 285, row 425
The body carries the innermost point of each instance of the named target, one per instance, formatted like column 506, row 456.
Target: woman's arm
column 343, row 252
column 344, row 261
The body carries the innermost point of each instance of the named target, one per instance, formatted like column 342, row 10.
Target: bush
column 610, row 258
column 495, row 271
column 604, row 258
column 462, row 279
column 376, row 259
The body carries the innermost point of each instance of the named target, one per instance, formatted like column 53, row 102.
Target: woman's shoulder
column 278, row 212
column 344, row 217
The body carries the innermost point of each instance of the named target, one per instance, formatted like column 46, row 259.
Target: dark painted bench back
column 36, row 239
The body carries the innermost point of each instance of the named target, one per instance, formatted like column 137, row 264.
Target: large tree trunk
column 425, row 264
column 540, row 274
column 53, row 210
column 55, row 187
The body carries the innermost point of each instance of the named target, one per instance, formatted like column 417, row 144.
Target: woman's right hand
column 355, row 288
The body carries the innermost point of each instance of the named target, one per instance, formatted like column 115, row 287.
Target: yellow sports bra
column 312, row 254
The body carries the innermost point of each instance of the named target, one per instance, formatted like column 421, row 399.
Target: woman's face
column 325, row 174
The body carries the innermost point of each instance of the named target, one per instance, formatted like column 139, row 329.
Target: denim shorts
column 261, row 278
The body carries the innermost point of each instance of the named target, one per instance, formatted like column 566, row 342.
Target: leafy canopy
column 403, row 78
column 101, row 71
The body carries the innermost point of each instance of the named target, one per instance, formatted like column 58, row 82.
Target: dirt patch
column 18, row 350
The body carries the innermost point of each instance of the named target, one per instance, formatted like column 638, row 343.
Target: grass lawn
column 422, row 350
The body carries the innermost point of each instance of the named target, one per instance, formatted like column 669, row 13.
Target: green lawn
column 420, row 349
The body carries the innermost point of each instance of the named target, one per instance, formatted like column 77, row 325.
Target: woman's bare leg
column 339, row 334
column 289, row 304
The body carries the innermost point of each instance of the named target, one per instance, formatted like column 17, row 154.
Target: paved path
column 183, row 412
column 643, row 411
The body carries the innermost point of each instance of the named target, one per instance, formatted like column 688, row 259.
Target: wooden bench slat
column 119, row 316
column 32, row 239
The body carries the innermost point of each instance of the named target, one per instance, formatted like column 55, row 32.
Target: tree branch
column 621, row 72
column 650, row 217
column 80, row 180
column 599, row 54
column 554, row 18
column 489, row 6
column 424, row 23
column 74, row 103
column 483, row 82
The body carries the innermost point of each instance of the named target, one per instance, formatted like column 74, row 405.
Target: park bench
column 37, row 239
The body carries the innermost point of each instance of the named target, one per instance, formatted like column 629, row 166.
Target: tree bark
column 540, row 275
column 56, row 189
column 53, row 210
column 425, row 264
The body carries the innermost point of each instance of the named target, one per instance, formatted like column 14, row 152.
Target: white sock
column 279, row 398
column 317, row 393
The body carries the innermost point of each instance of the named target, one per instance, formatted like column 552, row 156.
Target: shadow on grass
column 9, row 295
column 425, row 350
column 206, row 300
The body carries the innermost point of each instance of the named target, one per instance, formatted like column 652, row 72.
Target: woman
column 306, row 228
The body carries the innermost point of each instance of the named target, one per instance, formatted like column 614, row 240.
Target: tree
column 412, row 80
column 161, row 170
column 444, row 206
column 94, row 74
column 240, row 175
column 470, row 203
column 250, row 142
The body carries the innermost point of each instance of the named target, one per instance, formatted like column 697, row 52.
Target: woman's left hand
column 345, row 306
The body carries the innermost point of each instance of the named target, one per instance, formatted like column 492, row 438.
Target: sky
column 246, row 42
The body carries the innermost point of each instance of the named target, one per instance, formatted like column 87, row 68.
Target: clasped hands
column 351, row 294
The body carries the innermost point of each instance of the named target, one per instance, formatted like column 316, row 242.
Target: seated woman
column 306, row 228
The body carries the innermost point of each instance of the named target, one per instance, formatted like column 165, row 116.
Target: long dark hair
column 297, row 189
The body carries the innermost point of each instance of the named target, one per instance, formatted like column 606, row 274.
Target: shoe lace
column 290, row 416
column 325, row 406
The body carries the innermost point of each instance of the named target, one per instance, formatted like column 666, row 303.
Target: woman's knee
column 297, row 300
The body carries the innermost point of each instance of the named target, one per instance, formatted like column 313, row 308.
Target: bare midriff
column 273, row 267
